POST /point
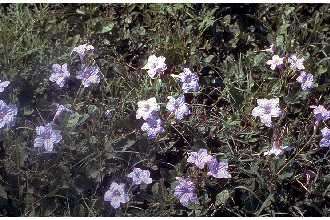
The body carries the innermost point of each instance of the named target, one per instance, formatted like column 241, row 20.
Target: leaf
column 209, row 59
column 258, row 59
column 222, row 197
column 107, row 28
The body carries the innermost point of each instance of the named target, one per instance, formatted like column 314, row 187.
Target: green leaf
column 222, row 197
column 107, row 28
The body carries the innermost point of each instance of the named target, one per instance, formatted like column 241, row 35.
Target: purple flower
column 325, row 141
column 153, row 127
column 89, row 75
column 147, row 108
column 7, row 114
column 199, row 158
column 275, row 62
column 155, row 66
column 185, row 191
column 47, row 137
column 320, row 113
column 59, row 74
column 266, row 109
column 140, row 176
column 3, row 85
column 81, row 50
column 61, row 109
column 116, row 195
column 189, row 80
column 218, row 169
column 178, row 107
column 306, row 80
column 295, row 63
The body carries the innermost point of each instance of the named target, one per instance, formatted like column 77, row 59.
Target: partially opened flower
column 320, row 113
column 271, row 49
column 61, row 109
column 275, row 62
column 178, row 107
column 189, row 81
column 218, row 169
column 147, row 108
column 266, row 109
column 82, row 50
column 199, row 158
column 116, row 195
column 325, row 141
column 140, row 176
column 47, row 137
column 295, row 63
column 306, row 80
column 185, row 191
column 155, row 66
column 59, row 74
column 153, row 127
column 89, row 75
column 3, row 85
column 276, row 150
column 7, row 114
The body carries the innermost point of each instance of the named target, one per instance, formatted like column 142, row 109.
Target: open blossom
column 199, row 158
column 306, row 80
column 320, row 113
column 140, row 176
column 266, row 109
column 116, row 195
column 61, row 109
column 89, row 75
column 155, row 66
column 47, row 137
column 325, row 141
column 185, row 191
column 81, row 50
column 295, row 63
column 218, row 169
column 178, row 107
column 3, row 85
column 275, row 62
column 189, row 81
column 147, row 108
column 153, row 127
column 59, row 74
column 7, row 114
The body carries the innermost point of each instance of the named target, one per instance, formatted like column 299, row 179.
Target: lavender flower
column 47, row 137
column 81, row 50
column 275, row 62
column 185, row 191
column 3, row 85
column 189, row 80
column 320, row 113
column 59, row 74
column 140, row 176
column 7, row 114
column 155, row 66
column 306, row 80
column 153, row 127
column 276, row 150
column 178, row 107
column 199, row 158
column 325, row 141
column 295, row 63
column 116, row 195
column 147, row 108
column 89, row 75
column 218, row 169
column 61, row 109
column 266, row 109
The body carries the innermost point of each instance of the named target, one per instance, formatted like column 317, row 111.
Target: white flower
column 178, row 106
column 275, row 62
column 146, row 108
column 140, row 176
column 3, row 85
column 81, row 50
column 155, row 65
column 266, row 109
column 59, row 74
column 276, row 150
column 116, row 195
column 295, row 63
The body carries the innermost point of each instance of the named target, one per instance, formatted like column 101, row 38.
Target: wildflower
column 325, row 141
column 47, row 137
column 108, row 114
column 320, row 113
column 266, row 109
column 140, row 176
column 155, row 65
column 7, row 114
column 178, row 107
column 276, row 150
column 199, row 158
column 81, row 50
column 3, row 85
column 189, row 80
column 185, row 191
column 218, row 169
column 275, row 62
column 61, row 109
column 89, row 75
column 147, row 108
column 116, row 195
column 295, row 63
column 306, row 80
column 153, row 127
column 271, row 49
column 59, row 74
